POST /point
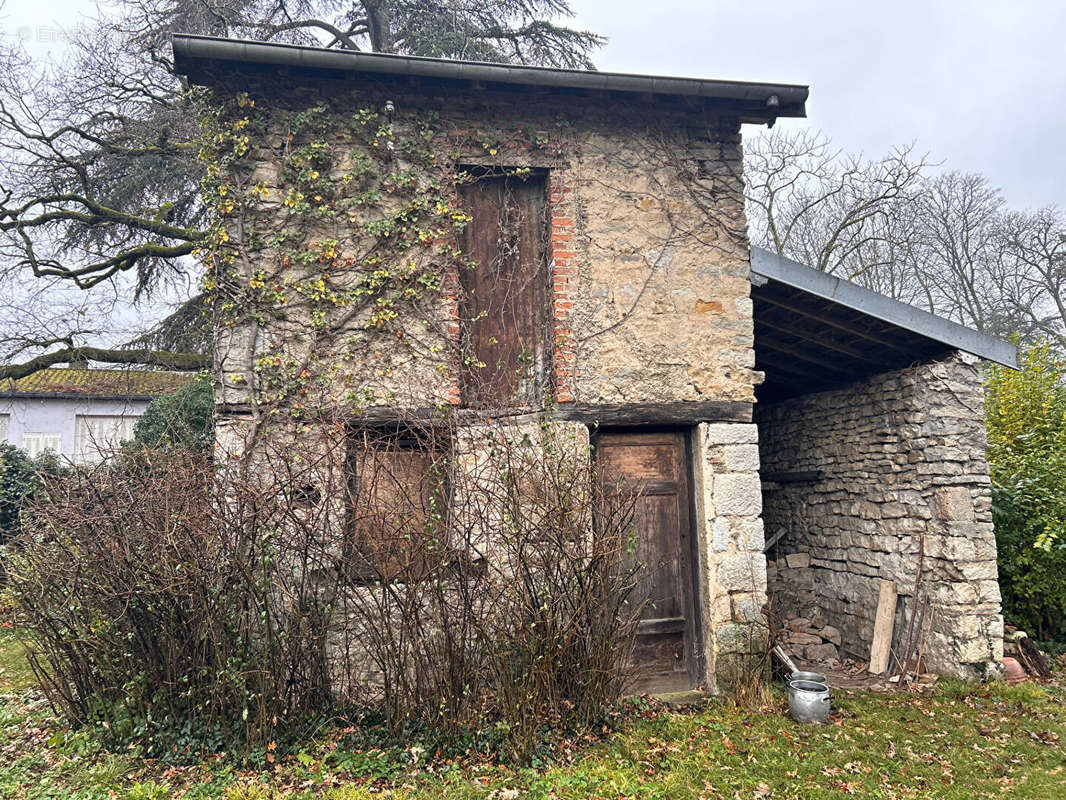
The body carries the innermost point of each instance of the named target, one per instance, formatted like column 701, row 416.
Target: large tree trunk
column 377, row 12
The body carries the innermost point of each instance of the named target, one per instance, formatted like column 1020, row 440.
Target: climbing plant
column 337, row 230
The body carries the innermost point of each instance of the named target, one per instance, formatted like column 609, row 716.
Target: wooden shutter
column 506, row 331
column 97, row 436
column 398, row 489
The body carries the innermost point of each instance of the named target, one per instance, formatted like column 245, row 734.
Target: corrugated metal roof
column 64, row 381
column 815, row 332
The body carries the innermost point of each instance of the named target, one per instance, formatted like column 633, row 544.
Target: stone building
column 403, row 235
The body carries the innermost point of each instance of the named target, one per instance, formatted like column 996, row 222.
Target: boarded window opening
column 398, row 493
column 506, row 325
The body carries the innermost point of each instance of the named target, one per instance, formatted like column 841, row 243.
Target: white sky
column 978, row 84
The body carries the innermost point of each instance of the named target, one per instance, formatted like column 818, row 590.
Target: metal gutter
column 191, row 53
column 770, row 266
column 75, row 396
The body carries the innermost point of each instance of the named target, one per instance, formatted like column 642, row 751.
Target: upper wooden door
column 505, row 300
column 656, row 465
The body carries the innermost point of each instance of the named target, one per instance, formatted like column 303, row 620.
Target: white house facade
column 80, row 414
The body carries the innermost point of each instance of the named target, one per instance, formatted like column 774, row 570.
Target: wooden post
column 886, row 614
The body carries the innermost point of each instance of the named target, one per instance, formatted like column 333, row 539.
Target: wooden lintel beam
column 673, row 413
column 599, row 414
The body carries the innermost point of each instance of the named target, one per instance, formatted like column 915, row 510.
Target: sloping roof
column 206, row 59
column 80, row 382
column 814, row 331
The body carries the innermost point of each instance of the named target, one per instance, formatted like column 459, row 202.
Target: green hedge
column 1027, row 455
column 183, row 419
column 18, row 481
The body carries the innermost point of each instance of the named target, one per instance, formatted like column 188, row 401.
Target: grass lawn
column 961, row 741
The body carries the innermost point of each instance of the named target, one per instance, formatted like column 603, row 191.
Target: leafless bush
column 455, row 577
column 508, row 592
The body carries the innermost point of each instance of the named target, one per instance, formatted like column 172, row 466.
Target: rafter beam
column 807, row 336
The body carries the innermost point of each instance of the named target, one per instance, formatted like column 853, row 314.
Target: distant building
column 79, row 413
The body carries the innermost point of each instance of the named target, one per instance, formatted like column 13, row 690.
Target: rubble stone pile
column 811, row 639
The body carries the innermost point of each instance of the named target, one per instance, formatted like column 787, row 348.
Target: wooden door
column 666, row 651
column 506, row 333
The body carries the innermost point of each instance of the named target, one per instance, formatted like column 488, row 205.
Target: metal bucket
column 808, row 701
column 814, row 677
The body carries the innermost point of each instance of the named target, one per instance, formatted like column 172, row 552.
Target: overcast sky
column 977, row 84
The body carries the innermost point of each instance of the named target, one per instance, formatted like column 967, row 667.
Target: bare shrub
column 458, row 583
column 150, row 604
column 528, row 614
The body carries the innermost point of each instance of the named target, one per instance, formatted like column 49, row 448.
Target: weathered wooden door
column 505, row 301
column 656, row 464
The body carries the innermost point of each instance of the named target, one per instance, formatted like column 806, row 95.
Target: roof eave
column 77, row 396
column 759, row 102
column 775, row 267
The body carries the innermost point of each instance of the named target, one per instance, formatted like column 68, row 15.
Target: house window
column 397, row 498
column 5, row 420
column 505, row 299
column 36, row 443
column 97, row 436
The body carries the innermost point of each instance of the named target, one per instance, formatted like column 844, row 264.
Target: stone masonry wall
column 732, row 567
column 901, row 454
column 649, row 270
column 648, row 247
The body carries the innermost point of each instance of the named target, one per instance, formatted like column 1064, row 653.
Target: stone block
column 750, row 536
column 721, row 610
column 831, row 634
column 721, row 535
column 798, row 560
column 748, row 608
column 988, row 592
column 741, row 457
column 955, row 594
column 730, row 433
column 953, row 503
column 737, row 495
column 979, row 570
column 742, row 572
column 821, row 653
column 951, row 548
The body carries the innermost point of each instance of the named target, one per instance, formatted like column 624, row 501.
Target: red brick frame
column 564, row 276
column 564, row 272
column 453, row 394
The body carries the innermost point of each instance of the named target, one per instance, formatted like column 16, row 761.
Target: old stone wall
column 337, row 287
column 898, row 456
column 650, row 296
column 733, row 586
